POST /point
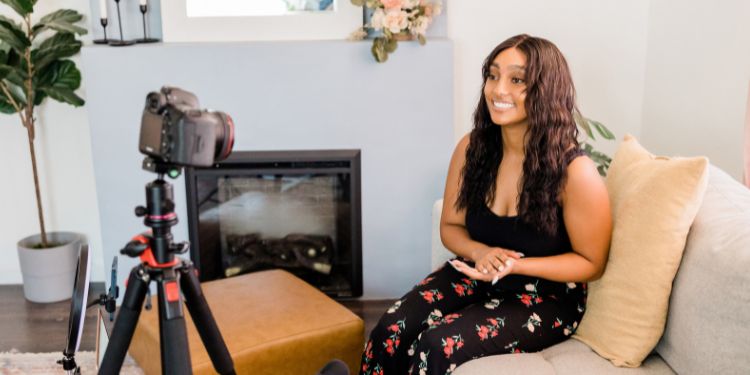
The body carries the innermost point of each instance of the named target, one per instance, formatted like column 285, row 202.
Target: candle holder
column 103, row 22
column 145, row 39
column 121, row 42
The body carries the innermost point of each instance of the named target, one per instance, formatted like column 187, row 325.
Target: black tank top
column 510, row 232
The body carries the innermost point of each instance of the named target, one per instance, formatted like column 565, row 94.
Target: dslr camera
column 176, row 132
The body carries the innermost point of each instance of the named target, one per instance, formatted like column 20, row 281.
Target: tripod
column 171, row 276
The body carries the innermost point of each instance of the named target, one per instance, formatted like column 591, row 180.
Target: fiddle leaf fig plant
column 34, row 65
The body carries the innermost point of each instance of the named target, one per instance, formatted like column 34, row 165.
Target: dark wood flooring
column 33, row 327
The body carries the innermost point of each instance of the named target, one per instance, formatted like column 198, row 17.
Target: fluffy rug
column 17, row 363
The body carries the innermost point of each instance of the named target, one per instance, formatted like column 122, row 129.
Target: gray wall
column 290, row 95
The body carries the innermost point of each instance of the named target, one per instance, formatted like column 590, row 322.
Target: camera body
column 175, row 131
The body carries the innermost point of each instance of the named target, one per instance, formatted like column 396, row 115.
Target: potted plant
column 396, row 20
column 34, row 65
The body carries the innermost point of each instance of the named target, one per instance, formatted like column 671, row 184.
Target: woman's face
column 505, row 88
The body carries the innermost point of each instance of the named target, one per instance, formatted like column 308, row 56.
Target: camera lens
column 224, row 137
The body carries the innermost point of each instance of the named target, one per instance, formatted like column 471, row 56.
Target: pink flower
column 459, row 289
column 393, row 328
column 449, row 341
column 390, row 4
column 395, row 20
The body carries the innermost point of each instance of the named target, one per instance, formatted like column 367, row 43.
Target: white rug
column 16, row 363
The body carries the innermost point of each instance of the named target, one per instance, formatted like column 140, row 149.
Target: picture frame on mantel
column 178, row 26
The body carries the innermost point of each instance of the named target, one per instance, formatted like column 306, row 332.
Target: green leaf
column 11, row 34
column 63, row 20
column 63, row 95
column 59, row 80
column 60, row 74
column 5, row 106
column 601, row 129
column 378, row 50
column 5, row 70
column 422, row 39
column 22, row 7
column 358, row 3
column 58, row 46
column 390, row 45
column 584, row 124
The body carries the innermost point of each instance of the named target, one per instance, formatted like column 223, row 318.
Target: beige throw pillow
column 654, row 201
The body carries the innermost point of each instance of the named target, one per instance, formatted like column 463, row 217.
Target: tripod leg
column 122, row 333
column 204, row 322
column 175, row 353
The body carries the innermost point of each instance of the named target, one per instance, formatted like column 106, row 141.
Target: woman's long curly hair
column 550, row 140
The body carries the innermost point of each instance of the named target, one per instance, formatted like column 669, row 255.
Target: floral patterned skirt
column 448, row 319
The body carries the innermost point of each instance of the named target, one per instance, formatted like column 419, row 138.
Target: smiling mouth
column 502, row 105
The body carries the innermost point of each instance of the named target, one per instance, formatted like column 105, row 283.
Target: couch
column 707, row 328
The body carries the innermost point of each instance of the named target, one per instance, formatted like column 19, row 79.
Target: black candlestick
column 104, row 22
column 145, row 39
column 122, row 41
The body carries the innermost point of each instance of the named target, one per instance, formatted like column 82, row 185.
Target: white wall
column 65, row 170
column 697, row 75
column 604, row 42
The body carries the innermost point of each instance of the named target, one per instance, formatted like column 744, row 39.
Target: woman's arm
column 453, row 231
column 588, row 220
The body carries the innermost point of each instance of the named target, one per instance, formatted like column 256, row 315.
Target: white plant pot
column 49, row 274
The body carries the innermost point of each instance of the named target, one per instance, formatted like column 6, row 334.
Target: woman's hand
column 475, row 274
column 494, row 259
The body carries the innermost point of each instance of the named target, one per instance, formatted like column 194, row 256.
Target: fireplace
column 295, row 210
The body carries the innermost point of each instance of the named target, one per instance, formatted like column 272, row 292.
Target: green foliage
column 601, row 159
column 34, row 65
column 33, row 57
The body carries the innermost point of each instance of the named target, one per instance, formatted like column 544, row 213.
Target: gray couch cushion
column 707, row 327
column 569, row 357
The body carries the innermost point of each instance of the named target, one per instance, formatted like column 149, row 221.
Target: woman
column 526, row 213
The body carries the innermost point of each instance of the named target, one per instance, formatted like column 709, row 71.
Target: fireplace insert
column 295, row 210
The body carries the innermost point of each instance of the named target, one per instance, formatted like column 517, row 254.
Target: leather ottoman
column 272, row 323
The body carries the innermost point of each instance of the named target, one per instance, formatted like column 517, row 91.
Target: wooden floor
column 32, row 327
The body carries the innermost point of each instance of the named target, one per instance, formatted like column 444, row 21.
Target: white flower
column 437, row 8
column 410, row 352
column 530, row 326
column 571, row 285
column 376, row 21
column 419, row 26
column 575, row 324
column 422, row 356
column 358, row 34
column 530, row 287
column 536, row 317
column 492, row 304
column 396, row 20
column 408, row 4
column 566, row 332
column 422, row 371
column 395, row 307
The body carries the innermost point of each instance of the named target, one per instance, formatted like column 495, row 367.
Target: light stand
column 172, row 276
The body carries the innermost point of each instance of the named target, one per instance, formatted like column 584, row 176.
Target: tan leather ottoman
column 272, row 323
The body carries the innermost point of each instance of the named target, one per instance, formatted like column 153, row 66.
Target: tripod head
column 157, row 248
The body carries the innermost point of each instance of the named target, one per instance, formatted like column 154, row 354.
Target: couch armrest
column 439, row 253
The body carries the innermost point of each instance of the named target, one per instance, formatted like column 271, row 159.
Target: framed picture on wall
column 242, row 20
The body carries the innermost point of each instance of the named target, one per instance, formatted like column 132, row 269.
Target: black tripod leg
column 175, row 353
column 127, row 318
column 204, row 322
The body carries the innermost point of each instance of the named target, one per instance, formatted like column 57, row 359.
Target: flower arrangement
column 396, row 20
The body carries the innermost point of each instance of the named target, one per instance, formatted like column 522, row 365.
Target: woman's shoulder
column 581, row 176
